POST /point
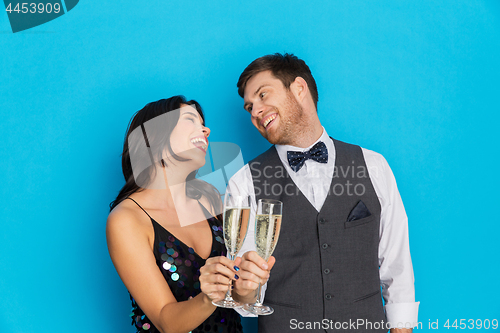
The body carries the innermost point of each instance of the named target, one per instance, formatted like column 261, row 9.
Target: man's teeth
column 269, row 120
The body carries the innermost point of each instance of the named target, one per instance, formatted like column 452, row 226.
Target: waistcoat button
column 326, row 271
column 324, row 246
column 322, row 220
column 328, row 296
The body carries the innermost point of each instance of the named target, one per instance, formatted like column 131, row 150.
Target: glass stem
column 228, row 293
column 259, row 302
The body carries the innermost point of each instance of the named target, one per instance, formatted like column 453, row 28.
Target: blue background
column 417, row 81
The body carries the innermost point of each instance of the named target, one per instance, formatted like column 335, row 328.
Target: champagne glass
column 236, row 215
column 267, row 231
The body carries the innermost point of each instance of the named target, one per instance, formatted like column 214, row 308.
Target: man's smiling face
column 274, row 109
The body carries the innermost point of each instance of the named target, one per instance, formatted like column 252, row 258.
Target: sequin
column 175, row 276
column 178, row 262
column 191, row 250
column 187, row 263
column 162, row 249
column 180, row 284
column 170, row 260
column 172, row 269
column 162, row 243
column 196, row 285
column 219, row 239
column 214, row 227
column 170, row 251
column 171, row 238
column 176, row 254
column 191, row 257
column 176, row 242
column 166, row 266
column 164, row 257
column 146, row 326
column 168, row 244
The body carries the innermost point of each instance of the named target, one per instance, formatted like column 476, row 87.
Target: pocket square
column 358, row 212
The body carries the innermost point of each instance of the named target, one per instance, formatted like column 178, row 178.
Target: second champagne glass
column 267, row 231
column 235, row 224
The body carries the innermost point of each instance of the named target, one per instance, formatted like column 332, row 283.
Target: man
column 344, row 230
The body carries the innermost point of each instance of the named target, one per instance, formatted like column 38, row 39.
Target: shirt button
column 326, row 271
column 324, row 246
column 328, row 296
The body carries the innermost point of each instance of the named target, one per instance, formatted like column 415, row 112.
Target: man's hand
column 253, row 269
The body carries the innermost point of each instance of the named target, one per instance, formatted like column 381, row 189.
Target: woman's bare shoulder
column 127, row 217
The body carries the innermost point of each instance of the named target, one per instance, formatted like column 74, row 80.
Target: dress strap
column 140, row 207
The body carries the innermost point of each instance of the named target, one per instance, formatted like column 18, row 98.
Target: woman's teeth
column 202, row 140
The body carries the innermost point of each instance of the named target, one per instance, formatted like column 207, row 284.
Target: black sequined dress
column 180, row 265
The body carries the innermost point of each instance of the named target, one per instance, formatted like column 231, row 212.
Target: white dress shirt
column 314, row 180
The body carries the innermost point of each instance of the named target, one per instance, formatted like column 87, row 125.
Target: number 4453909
column 472, row 324
column 34, row 8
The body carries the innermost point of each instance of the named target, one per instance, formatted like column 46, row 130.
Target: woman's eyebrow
column 195, row 115
column 191, row 113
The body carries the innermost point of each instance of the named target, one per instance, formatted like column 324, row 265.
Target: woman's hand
column 215, row 277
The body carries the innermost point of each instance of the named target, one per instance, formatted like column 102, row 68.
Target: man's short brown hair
column 285, row 67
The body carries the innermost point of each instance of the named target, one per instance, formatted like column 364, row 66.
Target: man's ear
column 299, row 88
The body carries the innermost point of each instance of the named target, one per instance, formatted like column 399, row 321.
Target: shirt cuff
column 402, row 315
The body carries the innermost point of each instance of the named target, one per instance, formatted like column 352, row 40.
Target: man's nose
column 257, row 110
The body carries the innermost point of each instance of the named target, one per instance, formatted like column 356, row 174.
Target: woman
column 162, row 237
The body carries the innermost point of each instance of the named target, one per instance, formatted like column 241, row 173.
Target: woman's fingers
column 215, row 277
column 220, row 266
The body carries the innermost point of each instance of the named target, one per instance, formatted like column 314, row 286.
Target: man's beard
column 291, row 123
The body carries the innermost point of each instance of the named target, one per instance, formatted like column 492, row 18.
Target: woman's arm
column 129, row 244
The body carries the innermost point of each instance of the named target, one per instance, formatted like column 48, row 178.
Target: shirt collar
column 283, row 149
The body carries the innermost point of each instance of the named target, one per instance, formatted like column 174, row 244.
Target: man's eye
column 262, row 94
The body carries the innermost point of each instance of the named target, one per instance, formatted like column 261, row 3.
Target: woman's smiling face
column 189, row 139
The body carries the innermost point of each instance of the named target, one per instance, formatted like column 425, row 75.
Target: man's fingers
column 271, row 262
column 252, row 268
column 252, row 256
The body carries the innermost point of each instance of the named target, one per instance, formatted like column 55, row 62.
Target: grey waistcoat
column 326, row 274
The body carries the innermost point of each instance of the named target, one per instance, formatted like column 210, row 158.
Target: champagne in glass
column 267, row 231
column 236, row 215
column 235, row 228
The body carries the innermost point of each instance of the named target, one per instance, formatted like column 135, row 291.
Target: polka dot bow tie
column 318, row 153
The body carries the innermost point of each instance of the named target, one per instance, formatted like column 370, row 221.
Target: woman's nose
column 206, row 131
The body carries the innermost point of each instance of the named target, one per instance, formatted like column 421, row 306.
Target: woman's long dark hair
column 195, row 188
